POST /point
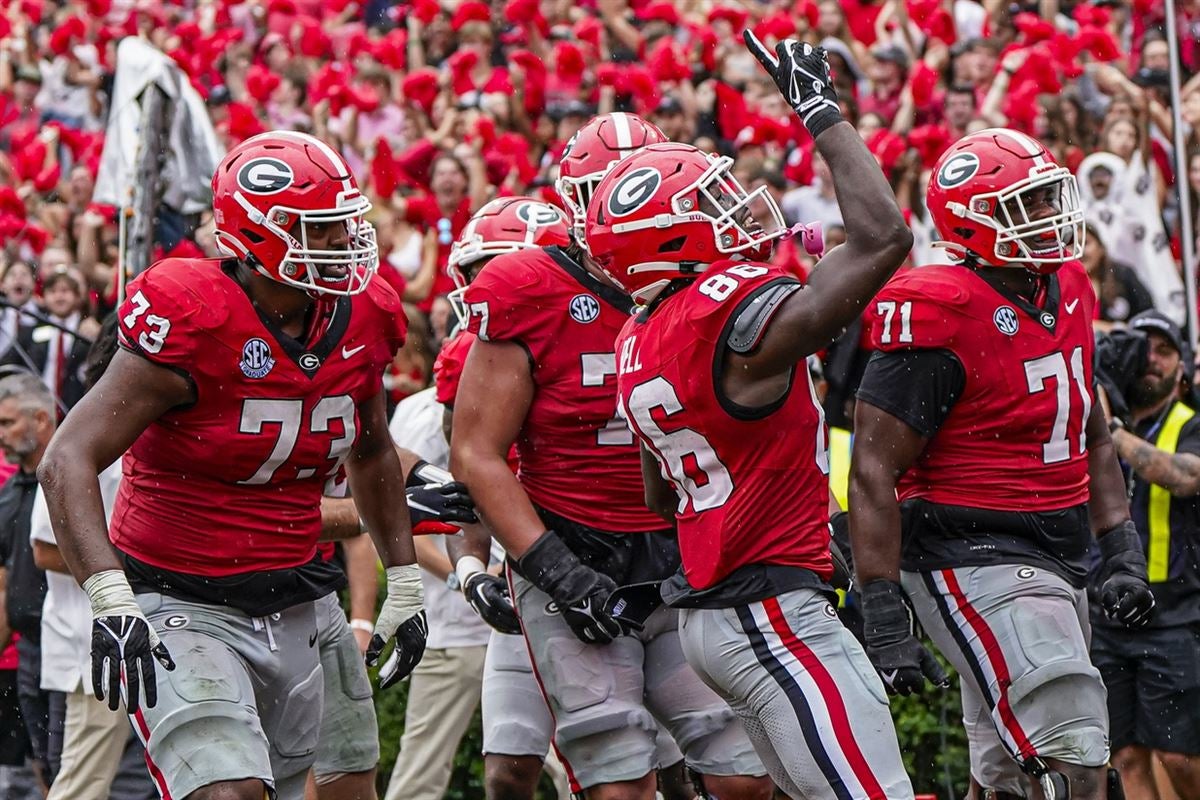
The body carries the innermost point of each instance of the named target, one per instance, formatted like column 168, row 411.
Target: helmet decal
column 265, row 176
column 958, row 170
column 539, row 215
column 634, row 191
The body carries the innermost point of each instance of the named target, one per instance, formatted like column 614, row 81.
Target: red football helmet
column 504, row 225
column 984, row 195
column 266, row 192
column 592, row 152
column 670, row 210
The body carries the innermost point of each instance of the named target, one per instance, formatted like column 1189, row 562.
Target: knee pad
column 603, row 718
column 695, row 729
column 1066, row 706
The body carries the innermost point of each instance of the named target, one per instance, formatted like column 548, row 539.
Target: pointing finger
column 764, row 56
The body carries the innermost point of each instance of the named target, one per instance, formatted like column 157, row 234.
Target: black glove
column 434, row 507
column 1121, row 359
column 902, row 661
column 410, row 647
column 578, row 591
column 839, row 545
column 126, row 641
column 488, row 597
column 1125, row 592
column 801, row 72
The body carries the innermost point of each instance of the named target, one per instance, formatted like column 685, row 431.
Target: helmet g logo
column 634, row 191
column 538, row 215
column 958, row 170
column 265, row 176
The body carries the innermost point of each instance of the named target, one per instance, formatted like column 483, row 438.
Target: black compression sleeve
column 918, row 387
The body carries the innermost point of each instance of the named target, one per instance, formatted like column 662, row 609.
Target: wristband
column 404, row 589
column 466, row 567
column 364, row 625
column 423, row 472
column 109, row 593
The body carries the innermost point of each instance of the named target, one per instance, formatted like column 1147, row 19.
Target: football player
column 517, row 726
column 243, row 383
column 978, row 413
column 573, row 520
column 712, row 378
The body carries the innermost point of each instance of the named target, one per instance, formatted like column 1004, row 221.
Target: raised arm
column 877, row 238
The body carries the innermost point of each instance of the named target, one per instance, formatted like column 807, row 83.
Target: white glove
column 403, row 618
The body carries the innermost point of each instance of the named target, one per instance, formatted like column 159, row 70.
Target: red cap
column 470, row 11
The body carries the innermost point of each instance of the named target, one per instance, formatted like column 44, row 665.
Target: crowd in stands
column 440, row 106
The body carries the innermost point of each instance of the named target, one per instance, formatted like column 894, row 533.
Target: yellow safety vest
column 1158, row 555
column 839, row 465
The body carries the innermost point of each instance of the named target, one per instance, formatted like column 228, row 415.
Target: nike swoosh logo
column 1071, row 305
column 346, row 353
column 312, row 640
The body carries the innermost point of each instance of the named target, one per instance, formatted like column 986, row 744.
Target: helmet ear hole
column 673, row 245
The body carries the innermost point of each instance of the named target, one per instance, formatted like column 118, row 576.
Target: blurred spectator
column 55, row 351
column 27, row 421
column 16, row 286
column 1119, row 293
column 815, row 202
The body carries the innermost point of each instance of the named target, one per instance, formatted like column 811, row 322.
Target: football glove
column 578, row 592
column 801, row 72
column 1125, row 592
column 436, row 501
column 124, row 644
column 901, row 660
column 402, row 618
column 488, row 596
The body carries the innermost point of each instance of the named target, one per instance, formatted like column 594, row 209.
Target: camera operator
column 1153, row 673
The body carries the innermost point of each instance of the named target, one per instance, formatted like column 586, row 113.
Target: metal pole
column 1181, row 181
column 123, row 215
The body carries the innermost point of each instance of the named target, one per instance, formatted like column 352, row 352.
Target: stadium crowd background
column 441, row 106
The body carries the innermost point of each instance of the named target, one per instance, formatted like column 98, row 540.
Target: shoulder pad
column 190, row 288
column 752, row 319
column 918, row 308
column 500, row 303
column 942, row 284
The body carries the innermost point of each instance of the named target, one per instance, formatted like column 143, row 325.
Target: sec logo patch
column 584, row 308
column 1006, row 320
column 256, row 358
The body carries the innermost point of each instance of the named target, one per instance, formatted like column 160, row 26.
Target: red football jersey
column 578, row 459
column 1015, row 437
column 753, row 486
column 233, row 483
column 447, row 368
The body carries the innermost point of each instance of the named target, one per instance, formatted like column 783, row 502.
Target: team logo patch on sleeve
column 1006, row 320
column 584, row 308
column 634, row 191
column 256, row 359
column 265, row 176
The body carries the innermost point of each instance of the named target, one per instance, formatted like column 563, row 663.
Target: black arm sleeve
column 918, row 387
